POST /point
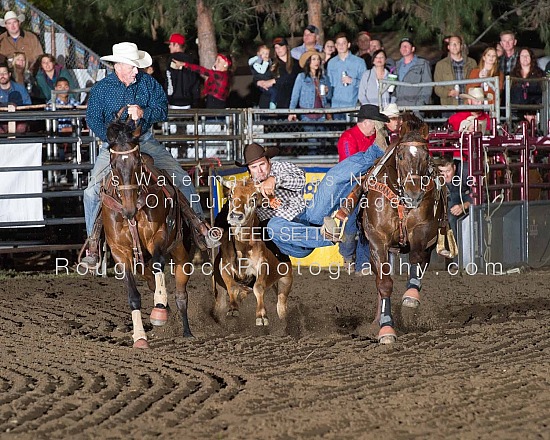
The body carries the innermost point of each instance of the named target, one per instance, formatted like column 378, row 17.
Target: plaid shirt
column 458, row 69
column 506, row 65
column 217, row 83
column 289, row 184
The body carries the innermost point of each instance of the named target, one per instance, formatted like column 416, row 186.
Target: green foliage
column 436, row 19
column 241, row 23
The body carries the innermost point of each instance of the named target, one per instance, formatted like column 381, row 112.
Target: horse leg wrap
column 139, row 331
column 414, row 278
column 385, row 313
column 161, row 297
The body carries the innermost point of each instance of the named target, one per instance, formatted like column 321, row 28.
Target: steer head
column 243, row 199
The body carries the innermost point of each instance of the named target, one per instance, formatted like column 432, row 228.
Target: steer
column 245, row 260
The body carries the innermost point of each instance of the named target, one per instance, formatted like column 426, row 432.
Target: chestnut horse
column 143, row 223
column 403, row 211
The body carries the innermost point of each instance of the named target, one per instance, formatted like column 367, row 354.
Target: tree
column 206, row 34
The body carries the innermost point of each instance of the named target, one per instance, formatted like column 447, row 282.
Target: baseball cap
column 280, row 41
column 176, row 38
column 406, row 40
column 312, row 29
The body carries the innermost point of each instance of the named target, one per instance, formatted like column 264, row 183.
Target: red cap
column 176, row 38
column 226, row 59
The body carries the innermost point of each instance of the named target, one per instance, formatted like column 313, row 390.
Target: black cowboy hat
column 252, row 152
column 369, row 111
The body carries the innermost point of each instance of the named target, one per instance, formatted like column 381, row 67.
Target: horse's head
column 413, row 167
column 243, row 199
column 125, row 164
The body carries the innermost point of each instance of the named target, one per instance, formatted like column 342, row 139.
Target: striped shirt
column 289, row 185
column 109, row 95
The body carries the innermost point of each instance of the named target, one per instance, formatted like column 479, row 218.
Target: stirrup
column 87, row 257
column 452, row 250
column 213, row 238
column 331, row 230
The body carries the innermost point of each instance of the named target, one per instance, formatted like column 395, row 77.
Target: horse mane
column 412, row 136
column 120, row 132
column 413, row 123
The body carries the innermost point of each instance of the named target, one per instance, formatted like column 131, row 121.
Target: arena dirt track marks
column 474, row 364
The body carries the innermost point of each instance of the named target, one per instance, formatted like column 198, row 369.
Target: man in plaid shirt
column 216, row 87
column 282, row 183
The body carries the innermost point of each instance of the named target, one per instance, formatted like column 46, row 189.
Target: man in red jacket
column 359, row 137
column 464, row 121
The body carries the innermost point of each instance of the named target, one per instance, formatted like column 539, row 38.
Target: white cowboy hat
column 391, row 111
column 477, row 94
column 128, row 53
column 9, row 15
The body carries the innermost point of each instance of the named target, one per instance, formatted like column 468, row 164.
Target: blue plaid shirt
column 109, row 95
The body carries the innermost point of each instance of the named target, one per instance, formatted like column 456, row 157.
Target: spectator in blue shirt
column 344, row 72
column 12, row 93
column 143, row 100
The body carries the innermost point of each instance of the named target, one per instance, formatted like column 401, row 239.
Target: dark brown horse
column 402, row 212
column 142, row 224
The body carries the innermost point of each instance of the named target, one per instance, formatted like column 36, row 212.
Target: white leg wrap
column 139, row 332
column 161, row 297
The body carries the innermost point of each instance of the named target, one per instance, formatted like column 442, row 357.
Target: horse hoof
column 141, row 343
column 234, row 313
column 158, row 317
column 387, row 335
column 262, row 321
column 411, row 298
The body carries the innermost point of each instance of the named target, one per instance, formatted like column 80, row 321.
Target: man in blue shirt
column 344, row 71
column 144, row 100
column 12, row 93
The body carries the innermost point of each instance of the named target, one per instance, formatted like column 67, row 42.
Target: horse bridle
column 127, row 152
column 400, row 187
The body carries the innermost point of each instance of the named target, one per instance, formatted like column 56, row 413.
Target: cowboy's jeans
column 296, row 237
column 163, row 160
column 338, row 183
column 350, row 247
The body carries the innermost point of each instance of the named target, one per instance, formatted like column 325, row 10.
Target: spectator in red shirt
column 216, row 86
column 358, row 138
column 464, row 121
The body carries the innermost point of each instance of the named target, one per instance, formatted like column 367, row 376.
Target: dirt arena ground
column 473, row 363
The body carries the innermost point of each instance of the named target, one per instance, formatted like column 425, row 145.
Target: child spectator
column 261, row 67
column 216, row 86
column 63, row 99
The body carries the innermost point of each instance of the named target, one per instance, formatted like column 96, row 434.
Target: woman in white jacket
column 370, row 81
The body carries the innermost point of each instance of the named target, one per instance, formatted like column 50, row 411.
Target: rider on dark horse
column 144, row 101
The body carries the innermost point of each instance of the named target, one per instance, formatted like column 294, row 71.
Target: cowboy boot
column 91, row 260
column 91, row 247
column 333, row 226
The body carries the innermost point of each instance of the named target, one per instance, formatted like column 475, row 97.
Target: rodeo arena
column 461, row 351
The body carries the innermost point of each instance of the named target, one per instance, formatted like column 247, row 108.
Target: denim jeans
column 163, row 160
column 296, row 237
column 338, row 183
column 353, row 245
